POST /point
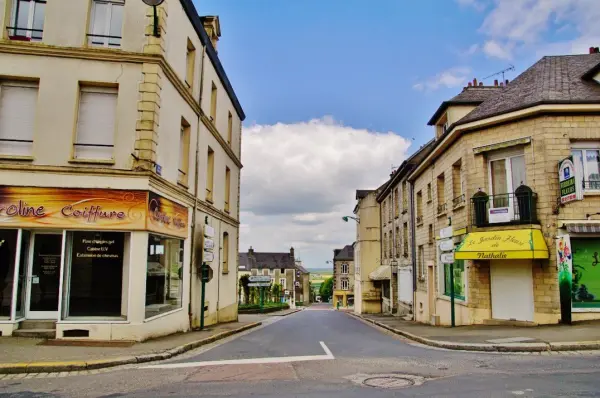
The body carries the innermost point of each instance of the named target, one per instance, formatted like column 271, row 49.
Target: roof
column 474, row 95
column 192, row 14
column 346, row 254
column 551, row 80
column 406, row 167
column 266, row 260
column 302, row 269
column 361, row 193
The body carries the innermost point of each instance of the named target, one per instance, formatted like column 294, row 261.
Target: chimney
column 506, row 82
column 470, row 84
column 480, row 84
column 251, row 251
column 475, row 82
column 496, row 82
column 212, row 28
column 292, row 254
column 501, row 84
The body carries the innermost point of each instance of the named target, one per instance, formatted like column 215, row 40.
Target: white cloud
column 299, row 180
column 450, row 78
column 479, row 5
column 522, row 25
column 494, row 49
column 472, row 49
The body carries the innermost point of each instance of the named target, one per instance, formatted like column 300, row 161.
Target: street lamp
column 346, row 218
column 154, row 4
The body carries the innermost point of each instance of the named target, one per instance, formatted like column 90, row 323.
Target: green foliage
column 279, row 306
column 276, row 292
column 299, row 303
column 326, row 290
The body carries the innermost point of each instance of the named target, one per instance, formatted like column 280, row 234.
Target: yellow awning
column 499, row 245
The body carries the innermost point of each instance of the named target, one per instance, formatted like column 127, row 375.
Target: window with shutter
column 17, row 117
column 96, row 123
column 106, row 23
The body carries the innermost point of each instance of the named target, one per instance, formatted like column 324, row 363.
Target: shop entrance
column 43, row 271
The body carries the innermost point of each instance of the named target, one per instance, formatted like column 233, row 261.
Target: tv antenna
column 502, row 72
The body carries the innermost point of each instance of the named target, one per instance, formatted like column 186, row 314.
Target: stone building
column 120, row 146
column 283, row 270
column 490, row 192
column 343, row 276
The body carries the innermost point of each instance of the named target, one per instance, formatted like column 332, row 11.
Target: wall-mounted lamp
column 154, row 4
column 346, row 218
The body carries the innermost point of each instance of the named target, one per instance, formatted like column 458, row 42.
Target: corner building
column 119, row 141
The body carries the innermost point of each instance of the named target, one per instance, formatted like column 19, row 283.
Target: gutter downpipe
column 413, row 248
column 196, row 169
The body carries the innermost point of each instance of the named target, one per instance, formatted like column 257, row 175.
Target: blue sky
column 354, row 70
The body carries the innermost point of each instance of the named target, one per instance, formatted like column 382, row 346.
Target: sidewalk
column 24, row 355
column 580, row 336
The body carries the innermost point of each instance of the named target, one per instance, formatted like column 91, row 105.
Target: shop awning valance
column 499, row 245
column 382, row 273
column 583, row 228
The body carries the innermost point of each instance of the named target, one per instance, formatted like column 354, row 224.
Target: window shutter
column 96, row 123
column 17, row 117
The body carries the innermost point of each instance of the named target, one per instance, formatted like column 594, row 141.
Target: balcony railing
column 508, row 208
column 441, row 208
column 104, row 40
column 459, row 200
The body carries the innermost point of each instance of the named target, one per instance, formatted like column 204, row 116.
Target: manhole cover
column 388, row 382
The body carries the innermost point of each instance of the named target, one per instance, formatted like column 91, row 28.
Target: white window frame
column 345, row 268
column 345, row 284
column 29, row 85
column 282, row 283
column 30, row 19
column 507, row 156
column 105, row 41
column 102, row 90
column 583, row 147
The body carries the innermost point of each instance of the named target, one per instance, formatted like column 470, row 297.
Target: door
column 44, row 276
column 512, row 290
column 506, row 175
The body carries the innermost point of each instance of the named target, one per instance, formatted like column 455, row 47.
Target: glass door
column 44, row 276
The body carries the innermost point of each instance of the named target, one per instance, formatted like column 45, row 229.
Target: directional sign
column 260, row 278
column 447, row 258
column 208, row 257
column 446, row 232
column 446, row 245
column 209, row 231
column 259, row 284
column 209, row 244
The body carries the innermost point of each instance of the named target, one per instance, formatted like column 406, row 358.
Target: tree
column 245, row 289
column 326, row 290
column 276, row 292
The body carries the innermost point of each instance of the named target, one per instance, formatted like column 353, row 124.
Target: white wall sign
column 446, row 245
column 209, row 231
column 446, row 232
column 208, row 257
column 447, row 258
column 209, row 244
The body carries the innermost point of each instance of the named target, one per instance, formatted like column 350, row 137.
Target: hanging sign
column 570, row 190
column 446, row 232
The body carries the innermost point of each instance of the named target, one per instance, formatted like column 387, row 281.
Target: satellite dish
column 153, row 3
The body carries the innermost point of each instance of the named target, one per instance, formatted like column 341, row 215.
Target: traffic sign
column 259, row 278
column 259, row 284
column 447, row 258
column 209, row 231
column 209, row 244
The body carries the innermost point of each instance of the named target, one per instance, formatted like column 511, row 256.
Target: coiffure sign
column 94, row 209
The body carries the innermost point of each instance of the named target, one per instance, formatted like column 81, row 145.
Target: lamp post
column 346, row 218
column 154, row 4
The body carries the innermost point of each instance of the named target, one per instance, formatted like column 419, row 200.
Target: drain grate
column 387, row 381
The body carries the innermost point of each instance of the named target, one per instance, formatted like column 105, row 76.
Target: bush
column 299, row 303
column 267, row 307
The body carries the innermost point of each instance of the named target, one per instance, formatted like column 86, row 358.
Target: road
column 323, row 353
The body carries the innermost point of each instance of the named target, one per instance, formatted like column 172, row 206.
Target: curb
column 71, row 366
column 485, row 347
column 289, row 313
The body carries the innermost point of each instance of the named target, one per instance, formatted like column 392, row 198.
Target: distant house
column 283, row 270
column 343, row 275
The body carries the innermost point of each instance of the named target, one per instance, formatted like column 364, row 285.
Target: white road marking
column 328, row 356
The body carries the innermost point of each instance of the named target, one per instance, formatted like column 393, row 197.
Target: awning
column 382, row 273
column 498, row 245
column 582, row 228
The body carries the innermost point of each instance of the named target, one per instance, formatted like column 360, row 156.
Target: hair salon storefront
column 104, row 264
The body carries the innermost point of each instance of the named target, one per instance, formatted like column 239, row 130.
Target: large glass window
column 95, row 284
column 585, row 288
column 8, row 251
column 164, row 275
column 22, row 285
column 459, row 279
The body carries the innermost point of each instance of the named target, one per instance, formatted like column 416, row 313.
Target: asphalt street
column 323, row 353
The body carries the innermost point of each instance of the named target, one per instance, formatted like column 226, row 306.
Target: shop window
column 8, row 251
column 459, row 279
column 95, row 274
column 22, row 285
column 585, row 289
column 164, row 275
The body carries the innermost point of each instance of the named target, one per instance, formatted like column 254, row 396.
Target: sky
column 337, row 92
